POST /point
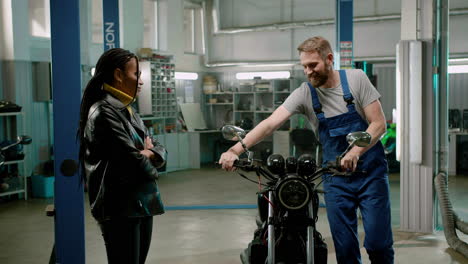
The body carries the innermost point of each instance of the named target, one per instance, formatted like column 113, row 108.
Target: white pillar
column 14, row 30
column 14, row 45
column 415, row 101
column 6, row 30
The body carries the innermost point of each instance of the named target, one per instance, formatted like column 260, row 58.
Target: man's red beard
column 319, row 79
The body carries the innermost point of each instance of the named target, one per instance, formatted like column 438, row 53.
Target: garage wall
column 372, row 39
column 386, row 85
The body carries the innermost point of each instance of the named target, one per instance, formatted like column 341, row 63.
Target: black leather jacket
column 121, row 181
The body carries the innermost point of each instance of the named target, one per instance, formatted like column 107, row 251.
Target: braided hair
column 109, row 61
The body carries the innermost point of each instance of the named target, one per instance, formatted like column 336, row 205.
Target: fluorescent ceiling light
column 263, row 75
column 457, row 69
column 186, row 76
column 458, row 61
column 459, row 65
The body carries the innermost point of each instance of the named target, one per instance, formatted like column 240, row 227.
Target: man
column 337, row 103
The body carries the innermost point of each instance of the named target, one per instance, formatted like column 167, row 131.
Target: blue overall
column 368, row 189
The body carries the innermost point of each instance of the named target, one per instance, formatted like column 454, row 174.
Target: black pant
column 127, row 239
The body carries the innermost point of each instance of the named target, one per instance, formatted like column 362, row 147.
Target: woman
column 118, row 158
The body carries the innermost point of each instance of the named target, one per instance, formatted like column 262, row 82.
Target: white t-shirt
column 331, row 99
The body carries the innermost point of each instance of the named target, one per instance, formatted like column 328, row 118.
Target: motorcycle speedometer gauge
column 293, row 192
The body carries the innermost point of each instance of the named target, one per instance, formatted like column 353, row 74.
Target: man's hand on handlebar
column 227, row 160
column 350, row 161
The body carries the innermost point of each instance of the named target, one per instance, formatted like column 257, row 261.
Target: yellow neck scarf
column 121, row 96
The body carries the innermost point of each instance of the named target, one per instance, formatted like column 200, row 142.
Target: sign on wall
column 111, row 24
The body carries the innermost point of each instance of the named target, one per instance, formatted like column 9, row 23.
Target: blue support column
column 66, row 83
column 344, row 34
column 110, row 10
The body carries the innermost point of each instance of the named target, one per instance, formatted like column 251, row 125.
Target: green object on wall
column 391, row 133
column 300, row 122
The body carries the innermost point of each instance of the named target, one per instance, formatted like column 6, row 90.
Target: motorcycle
column 6, row 154
column 288, row 203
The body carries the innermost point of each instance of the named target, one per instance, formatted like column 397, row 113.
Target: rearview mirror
column 360, row 139
column 233, row 133
column 237, row 134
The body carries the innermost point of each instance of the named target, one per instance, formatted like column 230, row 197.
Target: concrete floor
column 205, row 236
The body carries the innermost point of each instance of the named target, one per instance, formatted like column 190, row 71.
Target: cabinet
column 249, row 102
column 181, row 150
column 12, row 176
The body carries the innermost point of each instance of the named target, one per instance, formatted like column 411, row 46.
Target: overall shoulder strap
column 347, row 96
column 316, row 102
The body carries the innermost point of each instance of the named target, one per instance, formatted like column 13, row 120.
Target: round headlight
column 293, row 192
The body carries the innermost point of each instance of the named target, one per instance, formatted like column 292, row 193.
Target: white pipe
column 305, row 24
column 299, row 24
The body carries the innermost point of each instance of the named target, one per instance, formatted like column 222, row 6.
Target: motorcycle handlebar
column 337, row 164
column 241, row 163
column 333, row 167
column 254, row 165
column 246, row 165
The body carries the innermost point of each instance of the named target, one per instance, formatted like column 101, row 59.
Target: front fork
column 271, row 230
column 310, row 234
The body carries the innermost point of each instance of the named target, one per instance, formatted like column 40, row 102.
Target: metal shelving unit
column 157, row 101
column 256, row 101
column 18, row 182
column 219, row 107
column 163, row 87
column 157, row 106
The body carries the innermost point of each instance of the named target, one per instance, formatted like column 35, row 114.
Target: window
column 150, row 24
column 39, row 18
column 193, row 28
column 189, row 30
column 97, row 20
